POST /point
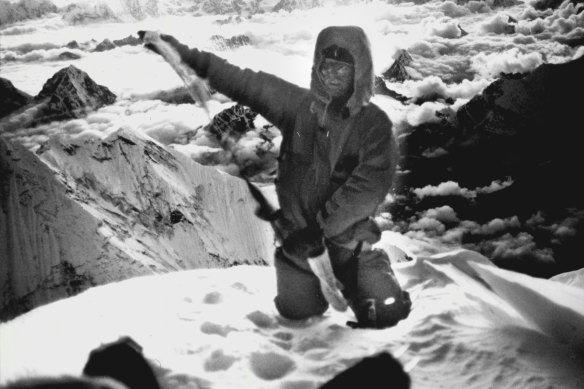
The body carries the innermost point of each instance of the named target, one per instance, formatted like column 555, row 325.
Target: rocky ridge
column 11, row 98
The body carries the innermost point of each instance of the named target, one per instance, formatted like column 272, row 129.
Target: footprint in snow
column 307, row 344
column 219, row 361
column 285, row 336
column 240, row 286
column 215, row 329
column 262, row 320
column 213, row 298
column 283, row 340
column 270, row 365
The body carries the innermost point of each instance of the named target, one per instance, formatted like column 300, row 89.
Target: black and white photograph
column 291, row 194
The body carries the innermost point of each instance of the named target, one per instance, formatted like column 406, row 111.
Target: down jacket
column 336, row 163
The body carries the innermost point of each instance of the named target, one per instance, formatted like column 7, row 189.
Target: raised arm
column 272, row 97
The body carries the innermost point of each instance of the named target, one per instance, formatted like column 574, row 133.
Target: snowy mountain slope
column 114, row 209
column 216, row 328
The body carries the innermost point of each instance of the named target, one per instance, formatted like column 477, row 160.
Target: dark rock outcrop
column 234, row 42
column 463, row 32
column 130, row 40
column 381, row 89
column 104, row 45
column 291, row 5
column 229, row 126
column 178, row 95
column 11, row 98
column 67, row 55
column 397, row 71
column 73, row 45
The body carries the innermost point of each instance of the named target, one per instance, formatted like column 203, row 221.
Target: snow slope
column 218, row 328
column 114, row 209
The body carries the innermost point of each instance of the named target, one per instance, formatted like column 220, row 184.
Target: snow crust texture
column 218, row 328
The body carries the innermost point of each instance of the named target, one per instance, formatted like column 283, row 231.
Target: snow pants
column 367, row 279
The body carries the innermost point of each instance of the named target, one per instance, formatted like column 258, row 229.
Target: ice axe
column 321, row 265
column 195, row 86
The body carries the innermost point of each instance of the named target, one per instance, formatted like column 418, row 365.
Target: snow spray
column 195, row 86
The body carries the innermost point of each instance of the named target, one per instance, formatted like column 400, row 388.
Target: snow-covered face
column 337, row 77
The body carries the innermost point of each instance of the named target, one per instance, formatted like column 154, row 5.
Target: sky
column 514, row 37
column 218, row 328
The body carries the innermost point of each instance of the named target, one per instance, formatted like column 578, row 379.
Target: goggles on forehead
column 332, row 67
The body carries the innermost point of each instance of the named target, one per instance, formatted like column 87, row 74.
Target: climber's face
column 337, row 77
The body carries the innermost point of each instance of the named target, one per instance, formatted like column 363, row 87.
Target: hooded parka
column 336, row 166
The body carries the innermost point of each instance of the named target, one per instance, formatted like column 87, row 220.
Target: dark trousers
column 367, row 278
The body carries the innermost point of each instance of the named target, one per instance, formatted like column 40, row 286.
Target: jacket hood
column 354, row 40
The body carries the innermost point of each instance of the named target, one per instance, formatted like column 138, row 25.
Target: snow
column 218, row 328
column 472, row 325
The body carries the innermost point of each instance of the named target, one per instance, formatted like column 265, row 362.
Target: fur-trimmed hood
column 354, row 40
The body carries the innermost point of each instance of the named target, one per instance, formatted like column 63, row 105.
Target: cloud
column 433, row 85
column 429, row 225
column 496, row 226
column 522, row 245
column 478, row 6
column 565, row 22
column 424, row 113
column 510, row 61
column 499, row 24
column 449, row 188
column 445, row 214
column 532, row 27
column 495, row 186
column 448, row 30
column 453, row 10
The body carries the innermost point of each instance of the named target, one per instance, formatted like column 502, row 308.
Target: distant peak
column 398, row 70
column 404, row 57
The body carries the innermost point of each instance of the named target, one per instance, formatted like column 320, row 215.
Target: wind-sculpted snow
column 219, row 329
column 114, row 209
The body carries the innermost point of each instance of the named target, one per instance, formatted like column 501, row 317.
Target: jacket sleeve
column 274, row 98
column 366, row 188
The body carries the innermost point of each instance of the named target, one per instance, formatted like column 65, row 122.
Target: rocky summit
column 11, row 98
column 71, row 93
column 398, row 71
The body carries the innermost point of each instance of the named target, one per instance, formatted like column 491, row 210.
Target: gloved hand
column 304, row 243
column 190, row 65
column 167, row 38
